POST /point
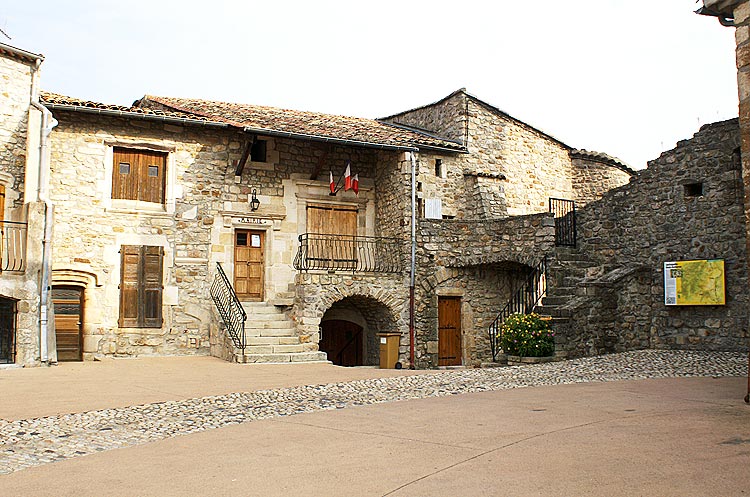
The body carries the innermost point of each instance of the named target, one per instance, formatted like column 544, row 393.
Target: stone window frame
column 127, row 206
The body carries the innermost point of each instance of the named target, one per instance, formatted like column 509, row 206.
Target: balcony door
column 336, row 227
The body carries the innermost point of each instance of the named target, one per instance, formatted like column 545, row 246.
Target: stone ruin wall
column 626, row 237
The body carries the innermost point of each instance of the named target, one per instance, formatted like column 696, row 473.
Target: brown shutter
column 152, row 287
column 2, row 202
column 130, row 258
column 141, row 286
column 124, row 174
column 152, row 181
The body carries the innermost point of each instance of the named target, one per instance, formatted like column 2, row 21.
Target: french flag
column 348, row 177
column 355, row 183
column 333, row 185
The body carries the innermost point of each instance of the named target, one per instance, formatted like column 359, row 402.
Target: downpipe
column 413, row 257
column 47, row 125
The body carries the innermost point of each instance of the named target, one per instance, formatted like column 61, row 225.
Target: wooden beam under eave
column 321, row 163
column 245, row 155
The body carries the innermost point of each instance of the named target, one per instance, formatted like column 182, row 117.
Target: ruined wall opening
column 349, row 330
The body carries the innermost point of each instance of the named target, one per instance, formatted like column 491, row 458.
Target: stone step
column 315, row 356
column 280, row 349
column 265, row 340
column 270, row 332
column 269, row 324
column 554, row 300
column 265, row 316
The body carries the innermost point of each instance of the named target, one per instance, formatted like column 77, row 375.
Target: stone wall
column 595, row 173
column 625, row 238
column 16, row 77
column 510, row 168
column 481, row 262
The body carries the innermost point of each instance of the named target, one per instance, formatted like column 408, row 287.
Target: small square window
column 241, row 239
column 694, row 190
column 153, row 171
column 258, row 151
column 124, row 168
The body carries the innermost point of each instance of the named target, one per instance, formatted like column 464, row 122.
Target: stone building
column 24, row 213
column 162, row 206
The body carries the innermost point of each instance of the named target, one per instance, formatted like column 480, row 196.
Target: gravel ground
column 32, row 442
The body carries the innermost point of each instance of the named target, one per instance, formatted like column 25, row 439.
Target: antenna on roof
column 6, row 34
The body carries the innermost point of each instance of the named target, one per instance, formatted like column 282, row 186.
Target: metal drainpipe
column 413, row 257
column 48, row 123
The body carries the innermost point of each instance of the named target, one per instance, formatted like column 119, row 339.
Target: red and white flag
column 333, row 185
column 347, row 178
column 355, row 183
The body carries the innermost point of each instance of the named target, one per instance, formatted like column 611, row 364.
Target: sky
column 626, row 77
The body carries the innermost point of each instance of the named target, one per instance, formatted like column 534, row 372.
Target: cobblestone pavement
column 32, row 442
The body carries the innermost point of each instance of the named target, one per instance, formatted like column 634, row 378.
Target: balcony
column 348, row 253
column 12, row 246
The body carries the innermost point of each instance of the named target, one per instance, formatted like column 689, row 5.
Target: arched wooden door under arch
column 342, row 341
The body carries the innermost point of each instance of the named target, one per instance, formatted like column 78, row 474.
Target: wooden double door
column 342, row 341
column 249, row 264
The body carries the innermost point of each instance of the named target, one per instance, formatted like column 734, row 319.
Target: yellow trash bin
column 389, row 349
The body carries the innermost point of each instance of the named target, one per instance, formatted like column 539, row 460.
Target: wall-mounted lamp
column 254, row 202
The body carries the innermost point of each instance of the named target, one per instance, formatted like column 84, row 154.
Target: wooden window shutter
column 130, row 262
column 2, row 202
column 139, row 175
column 152, row 287
column 141, row 287
column 152, row 182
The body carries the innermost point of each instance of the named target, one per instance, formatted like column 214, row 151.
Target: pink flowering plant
column 527, row 335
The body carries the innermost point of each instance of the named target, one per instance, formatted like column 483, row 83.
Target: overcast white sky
column 625, row 77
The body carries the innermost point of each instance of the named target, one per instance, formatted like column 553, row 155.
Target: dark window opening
column 241, row 239
column 694, row 190
column 258, row 151
column 439, row 168
column 7, row 331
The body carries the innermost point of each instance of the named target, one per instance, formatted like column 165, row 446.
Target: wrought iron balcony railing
column 348, row 253
column 12, row 246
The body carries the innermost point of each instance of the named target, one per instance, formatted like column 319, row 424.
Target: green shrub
column 527, row 335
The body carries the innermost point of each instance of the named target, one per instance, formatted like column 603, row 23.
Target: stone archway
column 376, row 305
column 74, row 297
column 350, row 328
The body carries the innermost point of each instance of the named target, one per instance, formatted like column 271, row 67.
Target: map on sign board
column 698, row 282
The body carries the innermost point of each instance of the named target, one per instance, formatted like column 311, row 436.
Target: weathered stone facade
column 19, row 164
column 510, row 169
column 610, row 289
column 481, row 262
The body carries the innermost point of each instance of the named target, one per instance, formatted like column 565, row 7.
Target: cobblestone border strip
column 32, row 442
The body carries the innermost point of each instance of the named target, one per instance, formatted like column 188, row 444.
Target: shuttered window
column 139, row 175
column 338, row 251
column 141, row 286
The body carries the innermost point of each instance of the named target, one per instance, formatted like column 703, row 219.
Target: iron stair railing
column 12, row 246
column 522, row 301
column 229, row 307
column 565, row 221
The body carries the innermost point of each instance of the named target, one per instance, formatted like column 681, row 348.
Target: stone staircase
column 565, row 273
column 271, row 338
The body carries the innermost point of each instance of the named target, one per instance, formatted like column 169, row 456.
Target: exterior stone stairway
column 271, row 338
column 566, row 270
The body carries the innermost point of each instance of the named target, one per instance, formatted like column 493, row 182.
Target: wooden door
column 334, row 252
column 449, row 331
column 68, row 322
column 342, row 341
column 249, row 264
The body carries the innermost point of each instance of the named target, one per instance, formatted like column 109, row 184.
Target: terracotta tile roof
column 601, row 157
column 57, row 100
column 302, row 124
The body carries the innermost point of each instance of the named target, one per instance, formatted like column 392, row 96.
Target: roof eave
column 136, row 115
column 22, row 54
